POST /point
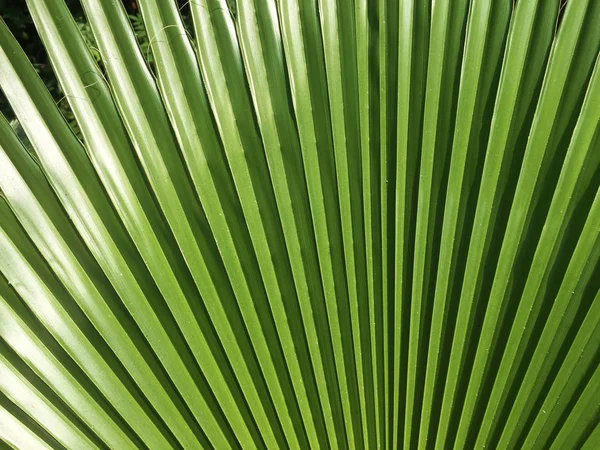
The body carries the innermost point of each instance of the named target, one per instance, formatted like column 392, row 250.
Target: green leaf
column 302, row 224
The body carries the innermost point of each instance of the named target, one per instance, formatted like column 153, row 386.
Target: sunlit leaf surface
column 303, row 224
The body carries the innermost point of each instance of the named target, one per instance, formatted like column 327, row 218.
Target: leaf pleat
column 302, row 224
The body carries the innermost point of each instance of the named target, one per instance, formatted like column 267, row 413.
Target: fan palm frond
column 303, row 224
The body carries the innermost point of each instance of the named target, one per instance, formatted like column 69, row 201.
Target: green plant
column 21, row 25
column 344, row 224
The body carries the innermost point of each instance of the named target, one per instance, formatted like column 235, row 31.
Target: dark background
column 16, row 16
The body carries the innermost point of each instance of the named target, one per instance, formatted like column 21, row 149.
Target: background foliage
column 18, row 19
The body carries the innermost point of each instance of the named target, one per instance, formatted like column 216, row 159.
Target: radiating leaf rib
column 540, row 44
column 160, row 159
column 387, row 83
column 187, row 118
column 547, row 246
column 48, row 232
column 369, row 157
column 297, row 226
column 304, row 55
column 581, row 415
column 337, row 23
column 412, row 63
column 38, row 407
column 584, row 258
column 261, row 47
column 592, row 439
column 15, row 434
column 117, row 168
column 581, row 68
column 220, row 60
column 27, row 345
column 436, row 58
column 442, row 70
column 581, row 357
column 555, row 79
column 66, row 165
column 514, row 61
column 27, row 281
column 405, row 61
column 474, row 73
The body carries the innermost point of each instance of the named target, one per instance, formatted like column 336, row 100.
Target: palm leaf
column 304, row 224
